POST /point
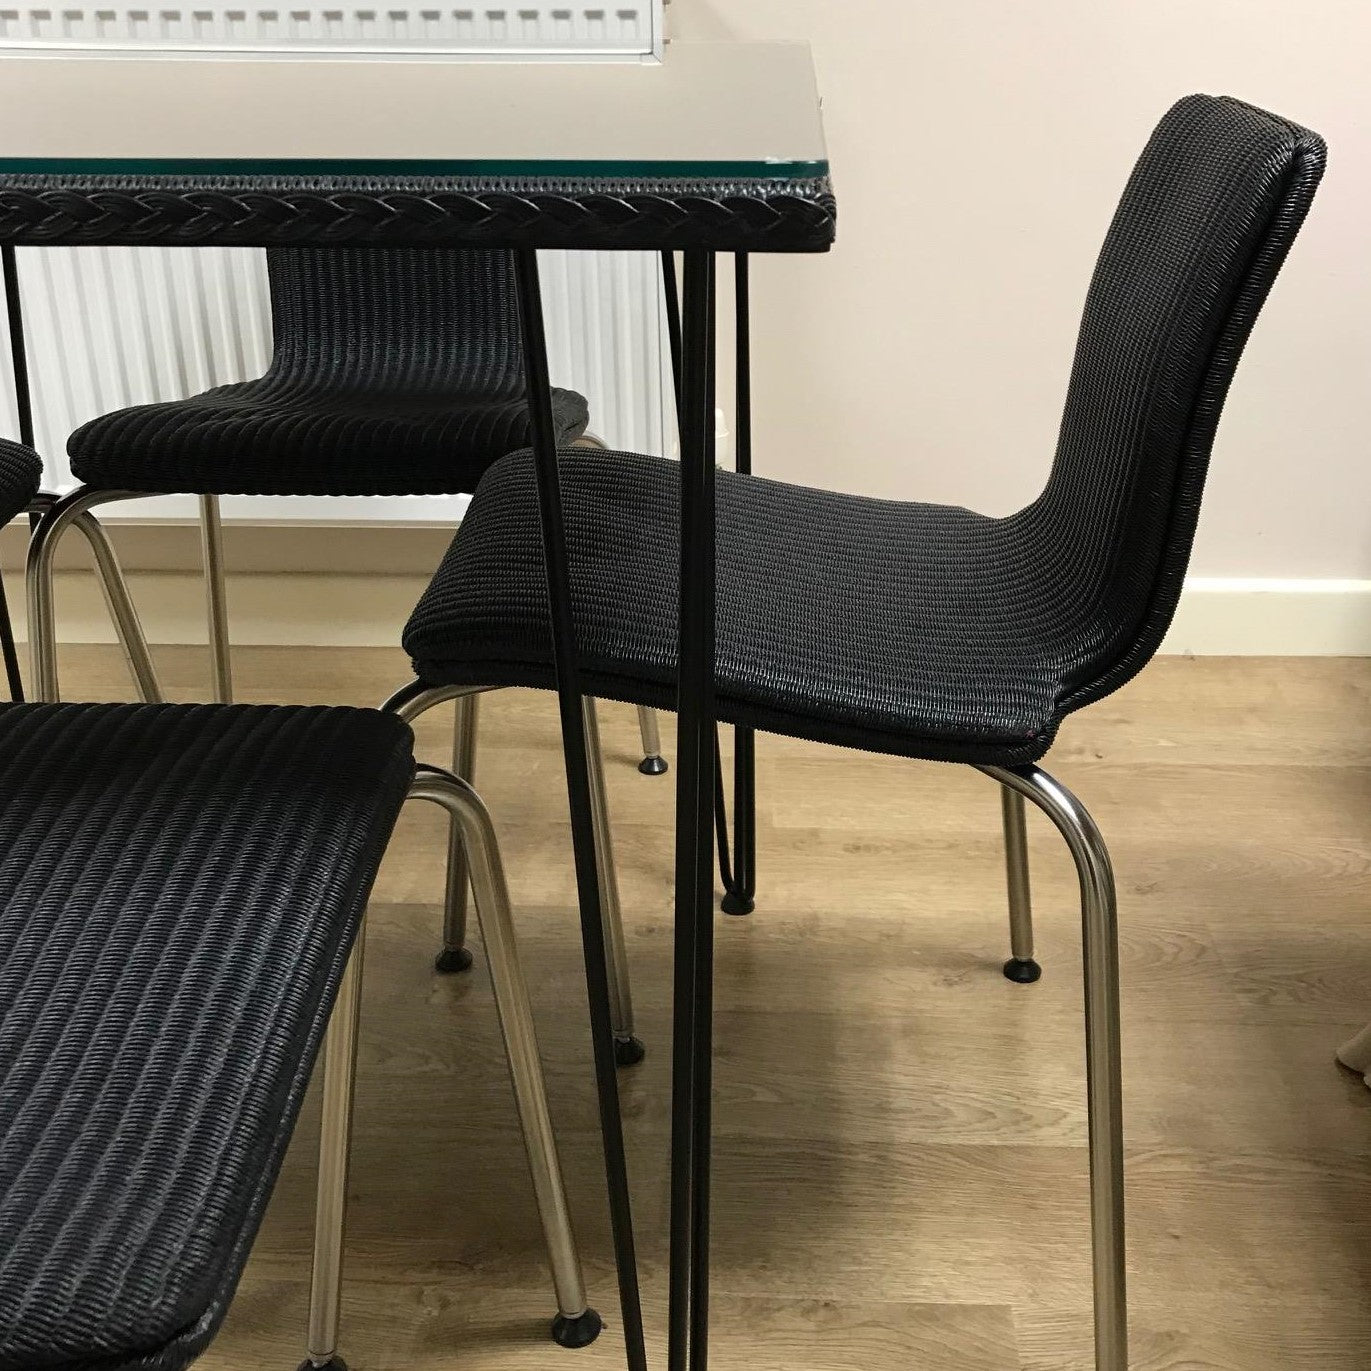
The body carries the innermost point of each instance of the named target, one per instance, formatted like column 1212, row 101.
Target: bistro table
column 717, row 149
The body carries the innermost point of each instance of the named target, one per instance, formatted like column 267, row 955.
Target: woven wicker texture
column 395, row 372
column 20, row 474
column 179, row 887
column 922, row 629
column 766, row 214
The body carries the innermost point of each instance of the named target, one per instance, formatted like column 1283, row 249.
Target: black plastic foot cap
column 452, row 959
column 578, row 1332
column 1022, row 970
column 734, row 903
column 653, row 766
column 332, row 1364
column 629, row 1051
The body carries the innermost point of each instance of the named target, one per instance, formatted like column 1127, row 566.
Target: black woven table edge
column 762, row 214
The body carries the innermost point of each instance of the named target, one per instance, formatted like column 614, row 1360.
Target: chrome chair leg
column 653, row 763
column 455, row 955
column 335, row 1148
column 127, row 628
column 216, row 598
column 1103, row 1073
column 413, row 700
column 56, row 516
column 576, row 1323
column 628, row 1049
column 1021, row 966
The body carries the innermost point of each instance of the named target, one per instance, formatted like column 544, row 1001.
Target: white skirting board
column 1217, row 617
column 1269, row 617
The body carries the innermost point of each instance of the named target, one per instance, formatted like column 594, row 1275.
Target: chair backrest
column 1202, row 229
column 385, row 319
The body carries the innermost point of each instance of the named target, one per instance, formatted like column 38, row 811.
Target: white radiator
column 619, row 30
column 112, row 327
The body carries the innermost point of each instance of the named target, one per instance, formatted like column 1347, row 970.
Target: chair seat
column 264, row 437
column 179, row 889
column 20, row 474
column 923, row 630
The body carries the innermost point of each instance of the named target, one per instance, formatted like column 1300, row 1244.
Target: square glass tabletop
column 720, row 145
column 709, row 109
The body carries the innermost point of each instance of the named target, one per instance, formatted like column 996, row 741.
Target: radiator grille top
column 624, row 31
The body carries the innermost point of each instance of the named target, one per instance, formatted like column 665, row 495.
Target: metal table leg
column 578, row 787
column 23, row 404
column 738, row 858
column 688, row 1313
column 14, row 310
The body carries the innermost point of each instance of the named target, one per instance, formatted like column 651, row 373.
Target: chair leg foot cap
column 452, row 959
column 332, row 1364
column 578, row 1332
column 1022, row 970
column 734, row 903
column 629, row 1051
column 653, row 766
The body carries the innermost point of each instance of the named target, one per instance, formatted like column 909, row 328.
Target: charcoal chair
column 929, row 631
column 21, row 470
column 394, row 372
column 182, row 899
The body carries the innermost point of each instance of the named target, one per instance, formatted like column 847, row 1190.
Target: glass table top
column 721, row 111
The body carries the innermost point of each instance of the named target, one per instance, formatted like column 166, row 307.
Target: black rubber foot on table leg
column 653, row 766
column 734, row 903
column 578, row 1332
column 452, row 959
column 629, row 1051
column 1022, row 970
column 332, row 1364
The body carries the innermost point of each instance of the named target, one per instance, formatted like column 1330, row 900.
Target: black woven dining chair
column 182, row 897
column 929, row 631
column 21, row 472
column 393, row 372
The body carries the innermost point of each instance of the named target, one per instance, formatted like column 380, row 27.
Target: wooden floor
column 900, row 1164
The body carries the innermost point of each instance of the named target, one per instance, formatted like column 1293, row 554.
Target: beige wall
column 978, row 147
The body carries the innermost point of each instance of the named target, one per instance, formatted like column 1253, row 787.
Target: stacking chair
column 183, row 889
column 182, row 892
column 394, row 372
column 928, row 631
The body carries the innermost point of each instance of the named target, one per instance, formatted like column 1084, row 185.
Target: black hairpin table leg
column 741, row 881
column 737, row 861
column 14, row 311
column 23, row 403
column 8, row 649
column 688, row 1313
column 578, row 788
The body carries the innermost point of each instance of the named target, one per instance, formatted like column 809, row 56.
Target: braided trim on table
column 265, row 211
